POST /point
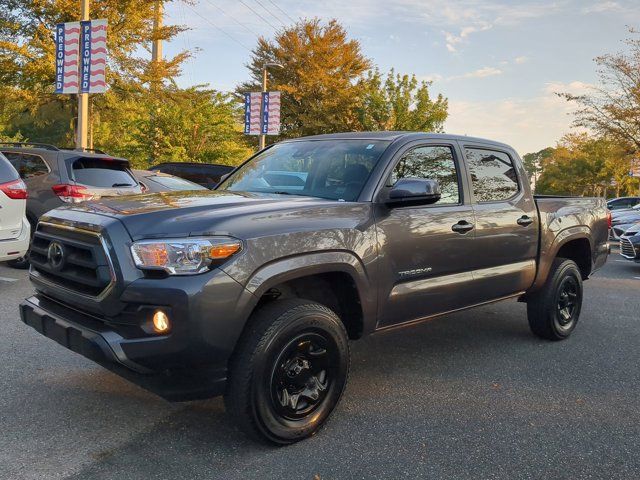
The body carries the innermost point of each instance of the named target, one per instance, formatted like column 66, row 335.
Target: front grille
column 82, row 267
column 626, row 248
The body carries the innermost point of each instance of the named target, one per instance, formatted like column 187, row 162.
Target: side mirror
column 224, row 177
column 417, row 191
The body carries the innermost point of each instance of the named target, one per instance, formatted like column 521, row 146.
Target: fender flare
column 550, row 252
column 308, row 264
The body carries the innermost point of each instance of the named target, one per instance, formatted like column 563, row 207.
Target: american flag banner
column 252, row 113
column 271, row 113
column 67, row 57
column 93, row 41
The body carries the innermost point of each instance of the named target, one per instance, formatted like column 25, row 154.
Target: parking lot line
column 7, row 279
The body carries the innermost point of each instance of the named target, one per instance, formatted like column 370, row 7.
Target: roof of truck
column 396, row 135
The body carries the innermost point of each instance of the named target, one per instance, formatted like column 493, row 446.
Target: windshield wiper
column 282, row 193
column 122, row 185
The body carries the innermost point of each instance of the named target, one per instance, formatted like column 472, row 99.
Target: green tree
column 399, row 103
column 195, row 124
column 613, row 107
column 143, row 115
column 533, row 162
column 320, row 81
column 585, row 165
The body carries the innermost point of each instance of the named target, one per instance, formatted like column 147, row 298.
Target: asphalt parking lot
column 471, row 395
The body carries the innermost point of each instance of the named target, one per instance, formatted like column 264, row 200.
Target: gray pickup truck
column 255, row 289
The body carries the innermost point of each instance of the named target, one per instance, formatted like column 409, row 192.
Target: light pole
column 83, row 98
column 262, row 140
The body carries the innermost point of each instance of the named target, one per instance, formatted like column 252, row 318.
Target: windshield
column 333, row 169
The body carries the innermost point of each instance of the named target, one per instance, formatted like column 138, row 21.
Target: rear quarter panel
column 563, row 219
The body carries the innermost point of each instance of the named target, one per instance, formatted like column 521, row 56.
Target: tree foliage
column 399, row 102
column 328, row 85
column 613, row 107
column 143, row 116
column 319, row 78
column 586, row 165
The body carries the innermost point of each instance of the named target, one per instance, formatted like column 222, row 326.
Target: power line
column 285, row 13
column 186, row 42
column 270, row 12
column 218, row 28
column 232, row 18
column 263, row 19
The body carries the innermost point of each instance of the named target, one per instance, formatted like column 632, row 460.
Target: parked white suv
column 14, row 228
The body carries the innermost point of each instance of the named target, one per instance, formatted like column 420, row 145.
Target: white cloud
column 520, row 60
column 601, row 7
column 480, row 73
column 459, row 19
column 529, row 124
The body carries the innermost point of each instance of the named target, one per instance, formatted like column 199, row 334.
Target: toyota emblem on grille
column 55, row 255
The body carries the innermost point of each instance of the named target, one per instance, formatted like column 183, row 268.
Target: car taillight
column 609, row 221
column 71, row 193
column 15, row 189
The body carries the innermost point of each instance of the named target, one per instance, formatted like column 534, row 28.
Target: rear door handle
column 462, row 227
column 525, row 221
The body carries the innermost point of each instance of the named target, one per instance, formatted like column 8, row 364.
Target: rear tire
column 553, row 312
column 288, row 371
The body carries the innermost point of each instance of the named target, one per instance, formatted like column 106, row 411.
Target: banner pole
column 83, row 98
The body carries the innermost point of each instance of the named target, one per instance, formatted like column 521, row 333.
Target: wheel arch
column 335, row 279
column 573, row 243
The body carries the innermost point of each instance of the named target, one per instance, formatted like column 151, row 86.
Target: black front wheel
column 554, row 311
column 288, row 372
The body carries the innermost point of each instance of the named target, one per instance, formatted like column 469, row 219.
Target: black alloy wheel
column 288, row 371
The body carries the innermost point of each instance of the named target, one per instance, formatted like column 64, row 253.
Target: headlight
column 183, row 256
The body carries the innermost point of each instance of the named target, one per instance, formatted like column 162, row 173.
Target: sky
column 500, row 63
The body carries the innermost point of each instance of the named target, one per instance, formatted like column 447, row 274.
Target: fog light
column 161, row 322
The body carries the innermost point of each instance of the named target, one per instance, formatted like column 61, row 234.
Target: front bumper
column 630, row 248
column 189, row 363
column 16, row 247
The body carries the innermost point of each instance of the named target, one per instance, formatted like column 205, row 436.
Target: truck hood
column 190, row 213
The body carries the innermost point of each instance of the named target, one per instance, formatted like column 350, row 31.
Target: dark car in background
column 206, row 174
column 622, row 203
column 620, row 219
column 153, row 182
column 57, row 176
column 630, row 243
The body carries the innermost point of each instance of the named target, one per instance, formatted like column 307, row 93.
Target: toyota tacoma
column 254, row 290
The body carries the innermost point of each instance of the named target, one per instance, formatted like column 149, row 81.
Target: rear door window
column 493, row 175
column 27, row 164
column 102, row 173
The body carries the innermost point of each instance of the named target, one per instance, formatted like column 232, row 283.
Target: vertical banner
column 93, row 42
column 67, row 53
column 272, row 120
column 252, row 112
column 264, row 121
column 247, row 113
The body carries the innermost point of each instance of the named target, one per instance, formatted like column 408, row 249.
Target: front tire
column 288, row 372
column 553, row 312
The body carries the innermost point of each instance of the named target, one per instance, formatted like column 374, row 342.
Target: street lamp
column 261, row 145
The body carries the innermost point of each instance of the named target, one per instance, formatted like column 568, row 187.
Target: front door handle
column 525, row 221
column 462, row 227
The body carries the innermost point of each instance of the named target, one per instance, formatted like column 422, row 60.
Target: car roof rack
column 90, row 150
column 46, row 146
